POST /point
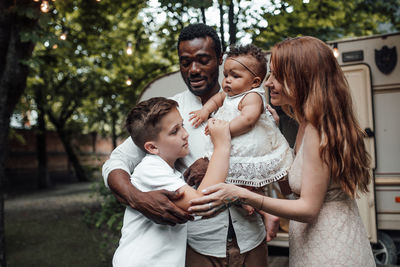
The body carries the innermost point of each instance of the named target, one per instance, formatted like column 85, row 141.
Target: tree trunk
column 232, row 24
column 114, row 130
column 73, row 158
column 203, row 14
column 221, row 22
column 43, row 173
column 12, row 84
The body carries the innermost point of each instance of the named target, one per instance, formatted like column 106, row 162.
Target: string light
column 55, row 46
column 98, row 0
column 335, row 50
column 63, row 36
column 36, row 0
column 45, row 7
column 129, row 48
column 129, row 81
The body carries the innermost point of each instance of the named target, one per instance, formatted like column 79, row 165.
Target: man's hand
column 157, row 205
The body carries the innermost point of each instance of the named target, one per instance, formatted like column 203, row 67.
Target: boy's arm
column 250, row 108
column 155, row 205
column 218, row 166
column 213, row 104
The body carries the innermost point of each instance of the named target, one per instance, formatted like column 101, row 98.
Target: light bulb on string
column 98, row 0
column 335, row 50
column 63, row 36
column 129, row 48
column 36, row 0
column 128, row 82
column 55, row 46
column 44, row 6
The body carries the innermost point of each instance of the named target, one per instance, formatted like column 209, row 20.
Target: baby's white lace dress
column 260, row 156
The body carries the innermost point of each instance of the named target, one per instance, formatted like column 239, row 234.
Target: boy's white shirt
column 143, row 242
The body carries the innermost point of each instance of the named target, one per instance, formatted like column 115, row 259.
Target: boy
column 156, row 127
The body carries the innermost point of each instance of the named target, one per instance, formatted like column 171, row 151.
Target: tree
column 81, row 79
column 327, row 20
column 16, row 21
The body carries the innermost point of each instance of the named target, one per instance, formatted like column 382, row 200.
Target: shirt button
column 234, row 221
column 225, row 225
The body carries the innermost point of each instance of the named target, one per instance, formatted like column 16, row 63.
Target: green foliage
column 108, row 218
column 327, row 20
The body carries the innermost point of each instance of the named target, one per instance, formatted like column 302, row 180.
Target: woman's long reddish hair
column 311, row 75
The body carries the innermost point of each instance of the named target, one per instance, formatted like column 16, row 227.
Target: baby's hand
column 198, row 117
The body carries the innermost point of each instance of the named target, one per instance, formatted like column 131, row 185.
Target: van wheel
column 385, row 250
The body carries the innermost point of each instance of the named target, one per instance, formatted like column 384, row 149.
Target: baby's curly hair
column 143, row 121
column 253, row 51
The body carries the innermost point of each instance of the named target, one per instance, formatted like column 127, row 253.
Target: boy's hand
column 198, row 117
column 219, row 132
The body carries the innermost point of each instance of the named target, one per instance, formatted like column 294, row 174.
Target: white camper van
column 373, row 72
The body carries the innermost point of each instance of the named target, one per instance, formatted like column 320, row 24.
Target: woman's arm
column 218, row 166
column 315, row 181
column 213, row 104
column 250, row 108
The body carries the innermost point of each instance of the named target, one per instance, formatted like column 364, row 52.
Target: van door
column 359, row 79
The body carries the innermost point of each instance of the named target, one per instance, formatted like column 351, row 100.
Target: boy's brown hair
column 143, row 121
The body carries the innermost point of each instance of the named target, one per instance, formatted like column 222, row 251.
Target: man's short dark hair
column 143, row 121
column 200, row 30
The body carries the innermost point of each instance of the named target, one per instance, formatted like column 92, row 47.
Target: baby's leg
column 250, row 210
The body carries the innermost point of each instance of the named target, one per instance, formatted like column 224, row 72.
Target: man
column 229, row 239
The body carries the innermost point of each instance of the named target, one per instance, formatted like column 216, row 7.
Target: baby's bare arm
column 250, row 108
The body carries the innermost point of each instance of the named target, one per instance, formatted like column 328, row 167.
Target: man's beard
column 204, row 91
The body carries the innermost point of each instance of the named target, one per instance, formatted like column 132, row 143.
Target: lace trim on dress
column 255, row 174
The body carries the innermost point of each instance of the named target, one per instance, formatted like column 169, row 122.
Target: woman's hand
column 274, row 114
column 217, row 198
column 219, row 133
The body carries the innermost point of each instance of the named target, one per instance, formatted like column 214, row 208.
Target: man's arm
column 155, row 205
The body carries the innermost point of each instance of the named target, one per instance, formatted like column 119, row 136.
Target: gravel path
column 61, row 197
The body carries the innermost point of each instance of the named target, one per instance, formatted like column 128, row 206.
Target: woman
column 330, row 166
